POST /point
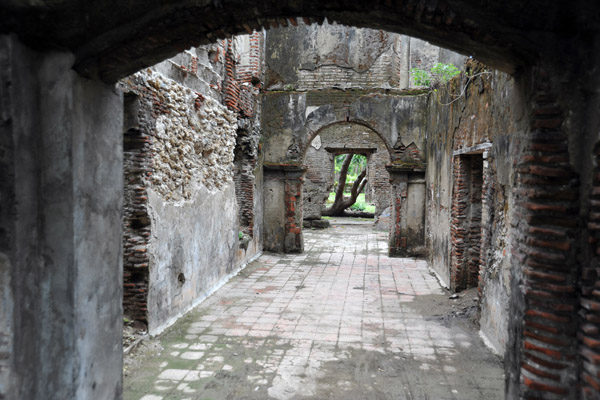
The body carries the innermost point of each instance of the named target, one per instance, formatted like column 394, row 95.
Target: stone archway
column 343, row 138
column 294, row 118
column 105, row 43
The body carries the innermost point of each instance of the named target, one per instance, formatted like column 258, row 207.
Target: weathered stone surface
column 451, row 129
column 291, row 120
column 330, row 55
column 320, row 223
column 63, row 258
column 182, row 207
column 192, row 143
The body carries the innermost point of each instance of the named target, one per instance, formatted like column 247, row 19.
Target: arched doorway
column 344, row 138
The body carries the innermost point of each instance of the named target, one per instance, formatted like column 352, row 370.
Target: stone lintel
column 404, row 168
column 287, row 171
column 477, row 149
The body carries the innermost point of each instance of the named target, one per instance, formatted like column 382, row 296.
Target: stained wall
column 484, row 123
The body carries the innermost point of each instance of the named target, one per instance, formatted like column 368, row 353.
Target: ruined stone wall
column 329, row 55
column 319, row 161
column 423, row 55
column 248, row 75
column 319, row 75
column 312, row 57
column 183, row 213
column 471, row 167
column 291, row 119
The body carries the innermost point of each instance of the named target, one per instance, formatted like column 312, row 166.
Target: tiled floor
column 339, row 321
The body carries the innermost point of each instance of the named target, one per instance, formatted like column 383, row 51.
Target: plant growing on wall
column 341, row 203
column 438, row 75
column 441, row 74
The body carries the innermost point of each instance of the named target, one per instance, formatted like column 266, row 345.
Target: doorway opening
column 466, row 228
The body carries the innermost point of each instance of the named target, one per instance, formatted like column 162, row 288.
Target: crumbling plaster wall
column 191, row 243
column 489, row 112
column 319, row 161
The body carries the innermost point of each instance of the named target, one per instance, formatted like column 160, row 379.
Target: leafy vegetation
column 438, row 75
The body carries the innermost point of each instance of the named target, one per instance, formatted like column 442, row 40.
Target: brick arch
column 115, row 40
column 349, row 122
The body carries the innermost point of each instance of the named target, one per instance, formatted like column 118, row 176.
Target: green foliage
column 358, row 206
column 444, row 72
column 420, row 77
column 438, row 75
column 240, row 235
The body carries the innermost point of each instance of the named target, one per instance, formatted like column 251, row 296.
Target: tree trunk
column 341, row 203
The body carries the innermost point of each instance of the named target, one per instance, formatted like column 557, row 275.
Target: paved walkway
column 341, row 321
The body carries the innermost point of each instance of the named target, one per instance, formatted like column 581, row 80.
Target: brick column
column 283, row 208
column 541, row 359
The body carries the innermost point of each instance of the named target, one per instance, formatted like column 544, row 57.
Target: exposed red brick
column 547, row 316
column 544, row 387
column 551, row 123
column 543, row 362
column 545, row 339
column 539, row 372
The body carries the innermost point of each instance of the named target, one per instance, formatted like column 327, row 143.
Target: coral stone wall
column 183, row 213
column 193, row 141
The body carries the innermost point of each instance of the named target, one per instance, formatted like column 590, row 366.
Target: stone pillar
column 407, row 225
column 60, row 229
column 283, row 208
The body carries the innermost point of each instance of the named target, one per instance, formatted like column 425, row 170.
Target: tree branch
column 339, row 194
